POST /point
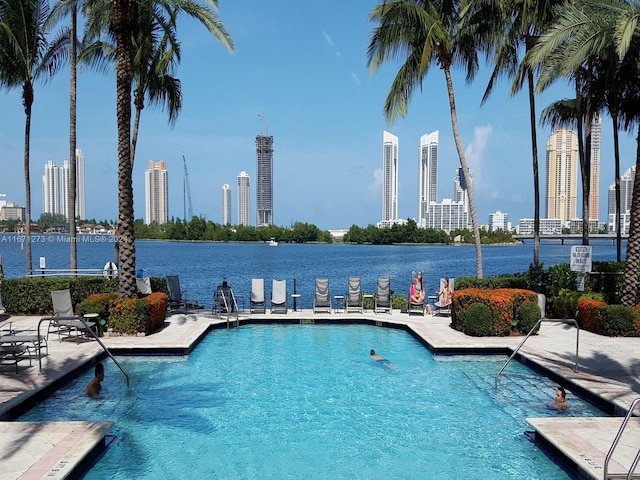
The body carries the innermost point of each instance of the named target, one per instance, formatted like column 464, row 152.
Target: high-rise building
column 626, row 193
column 65, row 184
column 264, row 182
column 562, row 174
column 447, row 215
column 50, row 189
column 427, row 175
column 499, row 221
column 594, row 185
column 156, row 193
column 244, row 199
column 226, row 204
column 389, row 178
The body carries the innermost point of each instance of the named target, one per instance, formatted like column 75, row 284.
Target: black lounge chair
column 63, row 319
column 382, row 298
column 177, row 297
column 353, row 299
column 321, row 297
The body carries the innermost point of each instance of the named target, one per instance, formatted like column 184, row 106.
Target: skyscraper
column 156, row 193
column 226, row 204
column 427, row 175
column 594, row 192
column 264, row 183
column 65, row 185
column 626, row 192
column 50, row 189
column 562, row 174
column 244, row 199
column 389, row 178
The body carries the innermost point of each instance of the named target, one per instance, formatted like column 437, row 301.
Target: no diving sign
column 581, row 258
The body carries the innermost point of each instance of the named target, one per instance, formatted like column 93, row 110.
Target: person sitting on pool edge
column 95, row 385
column 560, row 402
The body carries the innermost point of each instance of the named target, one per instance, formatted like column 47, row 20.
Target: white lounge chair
column 279, row 296
column 256, row 298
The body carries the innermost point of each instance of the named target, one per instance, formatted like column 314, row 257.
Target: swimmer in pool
column 559, row 402
column 381, row 360
column 95, row 385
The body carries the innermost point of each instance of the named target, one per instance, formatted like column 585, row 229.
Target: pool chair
column 64, row 320
column 10, row 338
column 256, row 298
column 382, row 298
column 443, row 305
column 353, row 299
column 321, row 296
column 14, row 353
column 279, row 296
column 176, row 297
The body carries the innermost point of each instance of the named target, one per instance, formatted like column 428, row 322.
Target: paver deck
column 609, row 368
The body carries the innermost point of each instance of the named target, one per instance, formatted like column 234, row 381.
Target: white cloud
column 474, row 154
column 355, row 78
column 376, row 185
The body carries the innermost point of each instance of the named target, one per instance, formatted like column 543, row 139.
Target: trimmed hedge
column 32, row 296
column 503, row 304
column 527, row 316
column 477, row 320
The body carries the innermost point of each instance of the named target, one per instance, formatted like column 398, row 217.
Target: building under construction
column 264, row 183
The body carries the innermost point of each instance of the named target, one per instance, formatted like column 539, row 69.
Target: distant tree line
column 411, row 233
column 199, row 229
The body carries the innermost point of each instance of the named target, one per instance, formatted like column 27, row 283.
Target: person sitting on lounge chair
column 416, row 294
column 444, row 294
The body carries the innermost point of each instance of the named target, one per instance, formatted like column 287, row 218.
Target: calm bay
column 202, row 266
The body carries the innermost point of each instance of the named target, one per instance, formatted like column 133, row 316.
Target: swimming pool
column 276, row 401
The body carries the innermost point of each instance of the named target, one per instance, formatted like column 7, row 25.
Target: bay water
column 202, row 266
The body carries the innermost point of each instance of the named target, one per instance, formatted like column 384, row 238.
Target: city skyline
column 55, row 187
column 327, row 126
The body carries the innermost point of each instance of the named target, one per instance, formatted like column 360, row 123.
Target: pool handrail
column 616, row 440
column 560, row 320
column 104, row 347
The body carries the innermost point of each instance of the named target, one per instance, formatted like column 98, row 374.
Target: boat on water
column 272, row 242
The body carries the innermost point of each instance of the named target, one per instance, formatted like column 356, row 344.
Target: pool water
column 278, row 401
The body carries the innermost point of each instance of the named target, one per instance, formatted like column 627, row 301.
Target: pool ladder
column 104, row 347
column 560, row 320
column 632, row 468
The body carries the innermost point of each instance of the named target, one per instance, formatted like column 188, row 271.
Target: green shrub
column 617, row 320
column 527, row 315
column 563, row 303
column 477, row 320
column 491, row 283
column 96, row 303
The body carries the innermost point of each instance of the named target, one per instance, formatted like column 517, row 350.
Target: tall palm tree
column 522, row 21
column 27, row 56
column 423, row 34
column 595, row 28
column 123, row 24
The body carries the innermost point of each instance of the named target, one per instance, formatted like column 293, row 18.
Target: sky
column 302, row 66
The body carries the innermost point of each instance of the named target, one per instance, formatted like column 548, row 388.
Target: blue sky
column 302, row 65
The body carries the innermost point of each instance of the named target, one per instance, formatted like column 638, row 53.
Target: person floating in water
column 95, row 385
column 381, row 360
column 559, row 402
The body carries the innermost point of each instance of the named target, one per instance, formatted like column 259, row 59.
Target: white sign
column 43, row 263
column 581, row 258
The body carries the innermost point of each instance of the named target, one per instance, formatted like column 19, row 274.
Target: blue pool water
column 277, row 401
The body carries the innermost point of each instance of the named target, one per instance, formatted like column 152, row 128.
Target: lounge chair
column 444, row 307
column 256, row 298
column 224, row 300
column 353, row 299
column 63, row 319
column 279, row 296
column 382, row 298
column 321, row 297
column 177, row 297
column 11, row 338
column 12, row 354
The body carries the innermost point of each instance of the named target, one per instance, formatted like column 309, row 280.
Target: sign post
column 581, row 263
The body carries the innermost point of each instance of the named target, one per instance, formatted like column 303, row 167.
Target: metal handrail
column 616, row 440
column 229, row 308
column 104, row 347
column 560, row 320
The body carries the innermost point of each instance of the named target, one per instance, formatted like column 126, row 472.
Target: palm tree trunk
column 27, row 98
column 616, row 154
column 72, row 141
column 465, row 170
column 123, row 12
column 138, row 101
column 536, row 175
column 583, row 162
column 630, row 279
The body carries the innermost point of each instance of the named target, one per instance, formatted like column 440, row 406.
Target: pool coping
column 421, row 328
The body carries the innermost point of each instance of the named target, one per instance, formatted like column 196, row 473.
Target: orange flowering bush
column 503, row 303
column 587, row 316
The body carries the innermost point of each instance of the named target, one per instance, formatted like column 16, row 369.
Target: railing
column 104, row 347
column 225, row 300
column 73, row 272
column 616, row 440
column 563, row 320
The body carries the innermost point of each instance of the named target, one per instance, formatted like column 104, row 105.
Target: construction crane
column 266, row 131
column 187, row 193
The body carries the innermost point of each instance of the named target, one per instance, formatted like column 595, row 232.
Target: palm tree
column 521, row 22
column 123, row 25
column 423, row 34
column 595, row 28
column 26, row 56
